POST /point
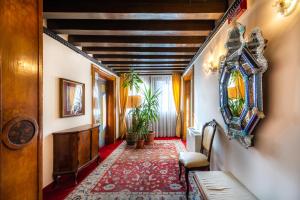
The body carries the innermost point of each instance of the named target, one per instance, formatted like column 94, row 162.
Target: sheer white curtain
column 166, row 125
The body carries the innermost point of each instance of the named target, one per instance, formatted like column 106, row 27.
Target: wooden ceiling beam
column 161, row 71
column 133, row 16
column 149, row 70
column 143, row 56
column 145, row 25
column 138, row 49
column 166, row 60
column 53, row 8
column 140, row 53
column 131, row 27
column 128, row 44
column 143, row 63
column 154, row 73
column 136, row 39
column 148, row 67
column 132, row 32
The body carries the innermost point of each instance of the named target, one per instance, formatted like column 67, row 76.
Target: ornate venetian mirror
column 241, row 98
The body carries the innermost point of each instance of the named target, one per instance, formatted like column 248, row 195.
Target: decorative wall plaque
column 19, row 132
column 241, row 96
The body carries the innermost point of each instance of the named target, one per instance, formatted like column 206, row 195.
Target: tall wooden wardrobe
column 21, row 99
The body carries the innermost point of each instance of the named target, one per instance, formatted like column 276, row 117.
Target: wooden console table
column 74, row 148
column 215, row 185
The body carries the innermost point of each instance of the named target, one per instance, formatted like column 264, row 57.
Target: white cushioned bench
column 219, row 185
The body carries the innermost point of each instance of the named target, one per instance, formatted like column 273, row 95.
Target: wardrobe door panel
column 21, row 94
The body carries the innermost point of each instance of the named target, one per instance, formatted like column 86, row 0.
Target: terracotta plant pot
column 140, row 144
column 130, row 139
column 150, row 138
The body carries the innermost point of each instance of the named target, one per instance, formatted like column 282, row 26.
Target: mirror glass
column 236, row 93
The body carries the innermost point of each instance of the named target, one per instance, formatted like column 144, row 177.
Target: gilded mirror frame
column 247, row 59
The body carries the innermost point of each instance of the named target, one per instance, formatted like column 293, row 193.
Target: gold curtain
column 176, row 84
column 123, row 103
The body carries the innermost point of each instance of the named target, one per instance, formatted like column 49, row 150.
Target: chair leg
column 180, row 169
column 187, row 182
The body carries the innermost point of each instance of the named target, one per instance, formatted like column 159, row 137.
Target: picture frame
column 72, row 98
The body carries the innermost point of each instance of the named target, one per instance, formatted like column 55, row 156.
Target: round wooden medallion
column 19, row 132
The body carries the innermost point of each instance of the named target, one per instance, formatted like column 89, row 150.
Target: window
column 166, row 125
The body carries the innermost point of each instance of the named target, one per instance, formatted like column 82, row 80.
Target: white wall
column 271, row 169
column 61, row 62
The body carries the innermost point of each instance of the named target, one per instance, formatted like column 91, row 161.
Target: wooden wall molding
column 188, row 101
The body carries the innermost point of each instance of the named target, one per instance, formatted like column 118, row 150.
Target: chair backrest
column 208, row 134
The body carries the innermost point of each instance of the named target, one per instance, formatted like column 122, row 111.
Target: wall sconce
column 211, row 68
column 286, row 7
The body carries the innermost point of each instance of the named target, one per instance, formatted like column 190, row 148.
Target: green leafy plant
column 132, row 80
column 139, row 122
column 147, row 112
column 150, row 105
column 143, row 115
column 236, row 106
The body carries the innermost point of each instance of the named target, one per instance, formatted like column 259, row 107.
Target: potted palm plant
column 138, row 127
column 132, row 81
column 150, row 112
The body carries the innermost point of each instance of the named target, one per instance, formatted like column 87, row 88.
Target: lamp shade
column 134, row 101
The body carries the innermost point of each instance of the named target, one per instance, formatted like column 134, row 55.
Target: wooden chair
column 194, row 161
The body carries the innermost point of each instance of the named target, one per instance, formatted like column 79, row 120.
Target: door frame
column 111, row 102
column 188, row 93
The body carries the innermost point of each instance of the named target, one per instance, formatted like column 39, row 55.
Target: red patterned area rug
column 138, row 174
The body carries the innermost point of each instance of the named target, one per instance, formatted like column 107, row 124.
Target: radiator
column 193, row 140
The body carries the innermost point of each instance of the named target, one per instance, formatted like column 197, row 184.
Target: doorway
column 100, row 108
column 103, row 105
column 188, row 101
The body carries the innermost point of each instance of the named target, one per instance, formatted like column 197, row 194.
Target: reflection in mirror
column 236, row 93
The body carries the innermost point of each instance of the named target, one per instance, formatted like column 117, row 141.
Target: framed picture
column 72, row 98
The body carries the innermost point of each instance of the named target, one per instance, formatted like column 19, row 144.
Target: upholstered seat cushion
column 193, row 159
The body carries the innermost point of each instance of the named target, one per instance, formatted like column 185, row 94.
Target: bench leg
column 180, row 169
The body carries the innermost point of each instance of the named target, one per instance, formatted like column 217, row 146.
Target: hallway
column 149, row 99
